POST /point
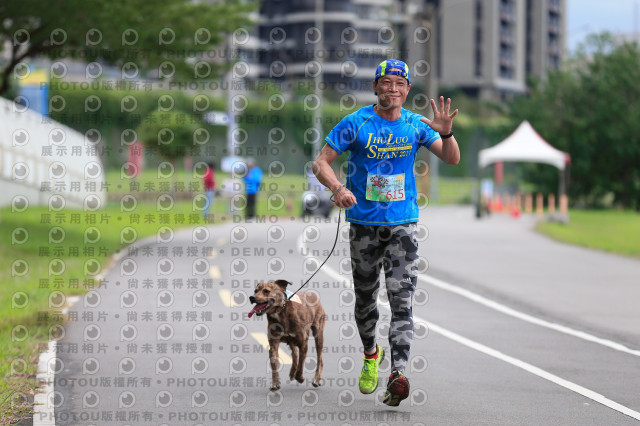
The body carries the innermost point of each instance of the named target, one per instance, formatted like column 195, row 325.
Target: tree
column 590, row 109
column 170, row 134
column 162, row 38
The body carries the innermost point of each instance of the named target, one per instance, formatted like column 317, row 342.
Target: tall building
column 546, row 32
column 354, row 37
column 488, row 47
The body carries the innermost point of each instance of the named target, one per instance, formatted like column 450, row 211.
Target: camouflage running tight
column 394, row 250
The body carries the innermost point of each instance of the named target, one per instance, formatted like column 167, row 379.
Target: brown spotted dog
column 289, row 322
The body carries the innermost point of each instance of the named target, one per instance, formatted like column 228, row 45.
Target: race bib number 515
column 385, row 187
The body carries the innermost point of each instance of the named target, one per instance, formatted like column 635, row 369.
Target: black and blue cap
column 392, row 67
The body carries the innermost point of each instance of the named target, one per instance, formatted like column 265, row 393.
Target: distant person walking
column 252, row 181
column 209, row 181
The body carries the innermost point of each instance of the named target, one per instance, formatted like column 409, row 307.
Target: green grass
column 608, row 230
column 286, row 184
column 455, row 191
column 450, row 191
column 26, row 297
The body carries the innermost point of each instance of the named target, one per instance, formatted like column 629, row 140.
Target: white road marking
column 214, row 272
column 227, row 300
column 525, row 317
column 509, row 359
column 264, row 341
column 532, row 369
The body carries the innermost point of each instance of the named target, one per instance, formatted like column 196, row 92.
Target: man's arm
column 323, row 171
column 447, row 150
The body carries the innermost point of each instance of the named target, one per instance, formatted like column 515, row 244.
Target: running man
column 380, row 199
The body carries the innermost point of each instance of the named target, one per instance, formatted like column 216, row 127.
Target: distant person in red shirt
column 209, row 188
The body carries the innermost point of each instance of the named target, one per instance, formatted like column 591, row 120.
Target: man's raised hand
column 442, row 120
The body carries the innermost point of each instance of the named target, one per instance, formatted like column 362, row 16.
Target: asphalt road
column 511, row 328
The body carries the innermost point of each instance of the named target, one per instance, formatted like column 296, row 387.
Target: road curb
column 44, row 414
column 43, row 406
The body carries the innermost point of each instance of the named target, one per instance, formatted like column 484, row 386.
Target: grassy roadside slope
column 608, row 230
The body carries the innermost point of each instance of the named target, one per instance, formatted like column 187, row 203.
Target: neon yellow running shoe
column 369, row 375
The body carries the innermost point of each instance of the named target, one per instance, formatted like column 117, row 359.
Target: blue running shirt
column 380, row 166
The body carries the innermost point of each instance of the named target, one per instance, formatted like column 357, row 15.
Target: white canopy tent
column 526, row 145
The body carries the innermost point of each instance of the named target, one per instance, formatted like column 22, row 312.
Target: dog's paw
column 300, row 378
column 316, row 383
column 274, row 387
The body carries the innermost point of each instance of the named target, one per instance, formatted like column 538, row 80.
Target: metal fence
column 45, row 162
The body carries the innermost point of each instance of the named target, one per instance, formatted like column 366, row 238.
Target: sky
column 589, row 16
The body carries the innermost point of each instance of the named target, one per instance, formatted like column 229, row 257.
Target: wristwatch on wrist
column 447, row 136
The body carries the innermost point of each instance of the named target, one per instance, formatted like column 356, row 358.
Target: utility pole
column 317, row 79
column 431, row 82
column 636, row 35
column 231, row 93
column 428, row 19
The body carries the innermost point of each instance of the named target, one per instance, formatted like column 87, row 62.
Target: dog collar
column 284, row 305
